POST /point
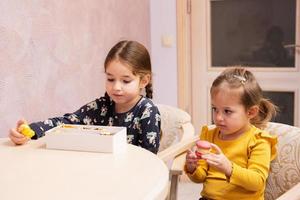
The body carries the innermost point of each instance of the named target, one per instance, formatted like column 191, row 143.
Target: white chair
column 176, row 128
column 283, row 182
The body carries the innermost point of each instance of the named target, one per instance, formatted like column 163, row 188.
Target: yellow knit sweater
column 250, row 155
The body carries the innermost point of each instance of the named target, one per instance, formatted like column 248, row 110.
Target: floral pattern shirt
column 142, row 121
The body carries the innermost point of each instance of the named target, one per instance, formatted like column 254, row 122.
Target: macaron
column 203, row 147
column 26, row 130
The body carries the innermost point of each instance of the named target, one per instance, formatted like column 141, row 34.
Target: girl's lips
column 222, row 127
column 117, row 95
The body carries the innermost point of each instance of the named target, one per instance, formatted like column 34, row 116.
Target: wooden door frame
column 183, row 55
column 188, row 91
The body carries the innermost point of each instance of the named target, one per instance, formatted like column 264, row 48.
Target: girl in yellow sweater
column 239, row 163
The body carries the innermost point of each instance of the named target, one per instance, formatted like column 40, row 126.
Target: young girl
column 128, row 72
column 238, row 165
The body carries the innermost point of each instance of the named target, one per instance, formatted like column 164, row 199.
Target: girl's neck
column 123, row 108
column 235, row 135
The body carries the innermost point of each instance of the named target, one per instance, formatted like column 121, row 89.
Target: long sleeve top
column 142, row 121
column 250, row 155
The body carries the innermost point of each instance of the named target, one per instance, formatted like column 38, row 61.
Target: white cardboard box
column 109, row 139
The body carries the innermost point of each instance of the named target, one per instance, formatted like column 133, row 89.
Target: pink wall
column 164, row 58
column 52, row 52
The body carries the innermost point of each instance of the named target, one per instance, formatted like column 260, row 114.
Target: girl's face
column 229, row 115
column 123, row 86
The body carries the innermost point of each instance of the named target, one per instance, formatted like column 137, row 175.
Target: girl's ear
column 252, row 111
column 144, row 80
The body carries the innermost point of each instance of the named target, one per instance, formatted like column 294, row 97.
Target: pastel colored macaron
column 203, row 147
column 26, row 130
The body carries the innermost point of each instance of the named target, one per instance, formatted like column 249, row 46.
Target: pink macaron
column 203, row 147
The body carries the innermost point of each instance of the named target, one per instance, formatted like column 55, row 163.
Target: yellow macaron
column 26, row 130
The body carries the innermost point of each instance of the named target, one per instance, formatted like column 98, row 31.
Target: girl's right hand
column 17, row 137
column 191, row 161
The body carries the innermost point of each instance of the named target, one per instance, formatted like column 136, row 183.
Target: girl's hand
column 219, row 161
column 17, row 137
column 191, row 161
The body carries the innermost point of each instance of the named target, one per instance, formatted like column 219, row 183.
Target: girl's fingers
column 218, row 150
column 15, row 133
column 211, row 158
column 191, row 158
column 194, row 148
column 16, row 137
column 18, row 140
column 207, row 157
column 211, row 162
column 190, row 154
column 20, row 122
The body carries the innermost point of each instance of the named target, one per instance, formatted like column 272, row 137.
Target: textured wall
column 52, row 52
column 164, row 59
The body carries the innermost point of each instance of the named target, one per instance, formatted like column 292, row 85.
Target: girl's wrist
column 190, row 169
column 228, row 171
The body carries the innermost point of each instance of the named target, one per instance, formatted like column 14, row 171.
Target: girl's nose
column 117, row 85
column 218, row 116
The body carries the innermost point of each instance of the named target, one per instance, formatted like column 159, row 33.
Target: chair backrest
column 285, row 169
column 175, row 125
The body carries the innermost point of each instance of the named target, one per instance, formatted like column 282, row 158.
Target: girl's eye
column 110, row 79
column 227, row 111
column 214, row 109
column 127, row 81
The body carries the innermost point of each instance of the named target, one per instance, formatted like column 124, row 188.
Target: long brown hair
column 136, row 56
column 240, row 77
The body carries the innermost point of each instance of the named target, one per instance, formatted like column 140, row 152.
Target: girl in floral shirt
column 128, row 72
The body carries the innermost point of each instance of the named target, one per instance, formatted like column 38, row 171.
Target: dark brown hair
column 240, row 77
column 136, row 56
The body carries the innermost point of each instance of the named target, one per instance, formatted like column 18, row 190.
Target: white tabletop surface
column 33, row 172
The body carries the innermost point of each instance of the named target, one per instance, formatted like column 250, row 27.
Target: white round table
column 33, row 172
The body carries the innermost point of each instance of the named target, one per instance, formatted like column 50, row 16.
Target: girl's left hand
column 218, row 160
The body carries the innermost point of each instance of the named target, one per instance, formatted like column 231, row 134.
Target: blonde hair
column 136, row 56
column 251, row 95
